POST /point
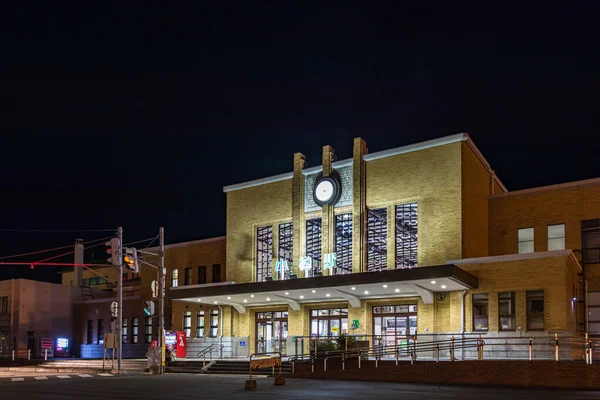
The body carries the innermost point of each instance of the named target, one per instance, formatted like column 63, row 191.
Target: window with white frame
column 525, row 240
column 187, row 323
column 556, row 237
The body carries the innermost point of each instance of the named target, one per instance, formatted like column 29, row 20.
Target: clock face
column 324, row 191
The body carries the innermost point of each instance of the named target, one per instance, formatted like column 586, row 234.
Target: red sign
column 181, row 345
column 46, row 343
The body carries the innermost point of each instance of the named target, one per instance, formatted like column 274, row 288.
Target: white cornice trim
column 512, row 257
column 257, row 182
column 576, row 184
column 459, row 137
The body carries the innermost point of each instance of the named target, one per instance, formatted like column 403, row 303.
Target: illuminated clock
column 327, row 189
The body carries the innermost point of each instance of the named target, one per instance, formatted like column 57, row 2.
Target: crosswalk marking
column 105, row 374
column 85, row 375
column 63, row 376
column 41, row 378
column 18, row 379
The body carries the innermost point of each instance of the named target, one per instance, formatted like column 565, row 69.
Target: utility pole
column 120, row 308
column 161, row 298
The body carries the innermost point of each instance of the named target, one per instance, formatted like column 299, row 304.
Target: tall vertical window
column 264, row 252
column 377, row 239
column 124, row 327
column 506, row 311
column 187, row 323
column 200, row 324
column 313, row 243
column 590, row 240
column 187, row 278
column 535, row 310
column 286, row 245
column 100, row 337
column 216, row 273
column 480, row 312
column 90, row 332
column 406, row 235
column 134, row 329
column 556, row 237
column 214, row 323
column 202, row 274
column 525, row 240
column 4, row 305
column 148, row 329
column 343, row 244
column 174, row 277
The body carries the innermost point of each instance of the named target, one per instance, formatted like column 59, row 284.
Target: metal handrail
column 588, row 345
column 208, row 350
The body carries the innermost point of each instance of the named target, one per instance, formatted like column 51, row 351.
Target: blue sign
column 242, row 344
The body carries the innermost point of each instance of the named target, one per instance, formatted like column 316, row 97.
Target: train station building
column 419, row 240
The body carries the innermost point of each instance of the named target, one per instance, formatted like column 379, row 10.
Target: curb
column 42, row 378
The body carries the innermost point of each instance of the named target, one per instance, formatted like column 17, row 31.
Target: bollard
column 312, row 365
column 13, row 355
column 45, row 354
column 556, row 344
column 293, row 367
column 585, row 346
column 359, row 358
column 591, row 351
column 530, row 348
column 325, row 365
column 28, row 354
column 396, row 355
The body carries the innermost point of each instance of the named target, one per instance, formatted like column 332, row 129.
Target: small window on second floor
column 216, row 273
column 556, row 237
column 188, row 276
column 202, row 274
column 175, row 277
column 525, row 239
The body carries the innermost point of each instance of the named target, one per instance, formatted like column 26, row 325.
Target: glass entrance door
column 394, row 326
column 271, row 332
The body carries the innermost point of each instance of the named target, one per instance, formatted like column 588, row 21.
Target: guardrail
column 573, row 345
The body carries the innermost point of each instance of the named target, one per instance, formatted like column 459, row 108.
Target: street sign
column 242, row 344
column 154, row 289
column 114, row 309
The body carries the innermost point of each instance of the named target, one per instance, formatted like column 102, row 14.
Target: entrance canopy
column 423, row 282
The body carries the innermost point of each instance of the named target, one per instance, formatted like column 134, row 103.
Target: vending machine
column 62, row 348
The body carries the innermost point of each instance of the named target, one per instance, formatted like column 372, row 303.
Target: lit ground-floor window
column 328, row 322
column 394, row 325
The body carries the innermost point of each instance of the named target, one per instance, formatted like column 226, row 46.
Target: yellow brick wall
column 248, row 209
column 475, row 192
column 432, row 178
column 552, row 275
column 567, row 206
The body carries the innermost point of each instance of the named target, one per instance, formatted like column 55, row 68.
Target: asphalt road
column 184, row 386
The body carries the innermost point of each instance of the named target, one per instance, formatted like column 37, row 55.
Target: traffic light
column 131, row 260
column 113, row 249
column 149, row 307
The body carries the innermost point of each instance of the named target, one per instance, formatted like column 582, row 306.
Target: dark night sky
column 137, row 115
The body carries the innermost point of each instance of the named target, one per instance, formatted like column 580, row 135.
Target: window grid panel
column 264, row 252
column 406, row 235
column 313, row 243
column 286, row 244
column 343, row 244
column 377, row 239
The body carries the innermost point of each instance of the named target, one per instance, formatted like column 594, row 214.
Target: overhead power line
column 49, row 250
column 56, row 230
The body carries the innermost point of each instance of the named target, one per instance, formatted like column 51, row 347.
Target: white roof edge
column 511, row 257
column 459, row 137
column 257, row 182
column 190, row 243
column 575, row 184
